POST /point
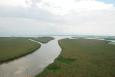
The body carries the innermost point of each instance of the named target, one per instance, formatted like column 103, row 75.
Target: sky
column 57, row 17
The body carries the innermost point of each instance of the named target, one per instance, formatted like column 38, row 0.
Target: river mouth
column 32, row 64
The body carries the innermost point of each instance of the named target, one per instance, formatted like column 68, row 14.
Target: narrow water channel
column 32, row 64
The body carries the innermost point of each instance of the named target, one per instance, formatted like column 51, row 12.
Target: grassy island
column 43, row 39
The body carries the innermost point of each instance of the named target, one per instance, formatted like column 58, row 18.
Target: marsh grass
column 43, row 39
column 83, row 58
column 12, row 48
column 65, row 60
column 53, row 67
column 15, row 47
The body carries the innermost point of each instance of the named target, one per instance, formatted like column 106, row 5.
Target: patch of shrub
column 53, row 67
column 66, row 60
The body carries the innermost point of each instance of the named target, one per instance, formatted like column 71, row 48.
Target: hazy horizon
column 57, row 17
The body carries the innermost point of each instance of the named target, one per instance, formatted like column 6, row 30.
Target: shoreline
column 20, row 56
column 37, row 42
column 38, row 75
column 79, row 55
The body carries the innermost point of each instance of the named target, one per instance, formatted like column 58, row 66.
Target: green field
column 83, row 58
column 15, row 47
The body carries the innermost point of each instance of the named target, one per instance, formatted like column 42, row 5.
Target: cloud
column 25, row 27
column 30, row 13
column 15, row 3
column 53, row 17
column 59, row 7
column 98, row 23
column 62, row 7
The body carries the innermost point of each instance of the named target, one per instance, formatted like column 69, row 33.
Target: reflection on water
column 112, row 41
column 32, row 64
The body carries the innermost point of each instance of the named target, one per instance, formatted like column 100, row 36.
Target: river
column 32, row 64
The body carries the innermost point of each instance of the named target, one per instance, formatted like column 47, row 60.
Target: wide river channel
column 32, row 64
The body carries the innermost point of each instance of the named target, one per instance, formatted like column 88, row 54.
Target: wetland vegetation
column 83, row 58
column 43, row 39
column 80, row 57
column 15, row 47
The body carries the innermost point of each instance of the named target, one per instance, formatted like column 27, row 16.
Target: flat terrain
column 15, row 47
column 83, row 58
column 42, row 39
column 12, row 47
